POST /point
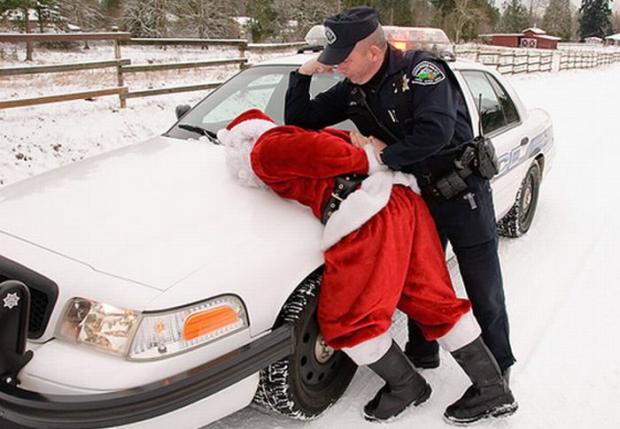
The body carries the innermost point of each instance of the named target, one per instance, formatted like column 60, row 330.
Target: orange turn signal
column 202, row 323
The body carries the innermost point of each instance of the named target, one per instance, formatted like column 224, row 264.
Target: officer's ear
column 376, row 53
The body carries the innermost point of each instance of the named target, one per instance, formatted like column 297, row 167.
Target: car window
column 510, row 110
column 262, row 87
column 494, row 105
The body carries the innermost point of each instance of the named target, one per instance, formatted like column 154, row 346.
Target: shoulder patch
column 427, row 73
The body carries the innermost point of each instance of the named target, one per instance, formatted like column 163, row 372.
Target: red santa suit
column 381, row 247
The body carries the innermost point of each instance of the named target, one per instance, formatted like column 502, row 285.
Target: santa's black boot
column 489, row 395
column 403, row 387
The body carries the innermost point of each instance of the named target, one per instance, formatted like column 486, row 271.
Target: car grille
column 43, row 294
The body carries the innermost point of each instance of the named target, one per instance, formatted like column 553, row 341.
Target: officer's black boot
column 489, row 395
column 403, row 386
column 423, row 354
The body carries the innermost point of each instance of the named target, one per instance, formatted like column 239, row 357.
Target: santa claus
column 381, row 253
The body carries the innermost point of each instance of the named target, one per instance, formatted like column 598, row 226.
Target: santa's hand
column 378, row 146
column 358, row 139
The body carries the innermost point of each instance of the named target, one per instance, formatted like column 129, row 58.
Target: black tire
column 306, row 383
column 520, row 216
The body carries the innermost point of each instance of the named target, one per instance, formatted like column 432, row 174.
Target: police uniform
column 415, row 106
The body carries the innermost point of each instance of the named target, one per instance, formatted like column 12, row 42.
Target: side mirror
column 181, row 110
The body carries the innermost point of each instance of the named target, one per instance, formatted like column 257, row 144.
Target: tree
column 557, row 20
column 48, row 12
column 595, row 18
column 264, row 19
column 86, row 14
column 208, row 18
column 515, row 18
column 616, row 22
column 23, row 6
column 147, row 18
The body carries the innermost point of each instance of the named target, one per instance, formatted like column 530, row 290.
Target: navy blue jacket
column 419, row 116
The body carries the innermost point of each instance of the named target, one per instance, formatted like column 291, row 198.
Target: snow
column 560, row 280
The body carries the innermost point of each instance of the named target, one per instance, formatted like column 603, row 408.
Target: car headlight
column 151, row 335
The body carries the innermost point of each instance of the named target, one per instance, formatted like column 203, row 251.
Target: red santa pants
column 394, row 260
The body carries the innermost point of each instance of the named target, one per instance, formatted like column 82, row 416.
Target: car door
column 501, row 121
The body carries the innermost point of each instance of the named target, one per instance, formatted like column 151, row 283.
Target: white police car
column 145, row 288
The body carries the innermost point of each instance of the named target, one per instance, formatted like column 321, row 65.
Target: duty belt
column 343, row 187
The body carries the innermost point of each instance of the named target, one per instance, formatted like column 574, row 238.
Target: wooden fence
column 519, row 60
column 124, row 66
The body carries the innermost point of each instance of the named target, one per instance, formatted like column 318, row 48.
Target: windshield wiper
column 202, row 131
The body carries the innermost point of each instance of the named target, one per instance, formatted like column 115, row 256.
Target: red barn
column 529, row 38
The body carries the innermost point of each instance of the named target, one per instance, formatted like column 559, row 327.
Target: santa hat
column 239, row 138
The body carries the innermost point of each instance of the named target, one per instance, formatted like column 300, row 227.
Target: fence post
column 243, row 47
column 122, row 96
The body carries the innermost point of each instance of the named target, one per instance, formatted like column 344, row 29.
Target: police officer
column 408, row 105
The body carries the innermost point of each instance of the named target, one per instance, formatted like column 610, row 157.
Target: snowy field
column 560, row 279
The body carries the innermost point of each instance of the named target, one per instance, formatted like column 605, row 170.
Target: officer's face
column 361, row 64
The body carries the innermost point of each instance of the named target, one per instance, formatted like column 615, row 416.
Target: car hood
column 153, row 213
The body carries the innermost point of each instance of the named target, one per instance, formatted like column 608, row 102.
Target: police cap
column 344, row 30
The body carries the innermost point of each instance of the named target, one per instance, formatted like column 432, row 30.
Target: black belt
column 343, row 187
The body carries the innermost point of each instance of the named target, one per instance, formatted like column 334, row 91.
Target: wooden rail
column 173, row 89
column 61, row 37
column 23, row 102
column 185, row 65
column 55, row 68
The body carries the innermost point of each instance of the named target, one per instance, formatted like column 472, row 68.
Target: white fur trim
column 373, row 162
column 462, row 333
column 363, row 204
column 370, row 351
column 238, row 144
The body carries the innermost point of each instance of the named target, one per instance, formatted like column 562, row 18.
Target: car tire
column 520, row 216
column 315, row 376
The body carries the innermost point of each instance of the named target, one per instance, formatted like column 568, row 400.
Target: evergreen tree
column 557, row 20
column 595, row 18
column 48, row 12
column 264, row 19
column 515, row 18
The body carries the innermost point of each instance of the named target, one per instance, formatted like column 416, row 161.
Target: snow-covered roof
column 545, row 36
column 613, row 37
column 535, row 30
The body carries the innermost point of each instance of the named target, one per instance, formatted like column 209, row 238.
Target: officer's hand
column 313, row 66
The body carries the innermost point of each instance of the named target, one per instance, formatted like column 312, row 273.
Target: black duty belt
column 343, row 187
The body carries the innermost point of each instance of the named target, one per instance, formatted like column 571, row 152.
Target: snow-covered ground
column 561, row 284
column 560, row 279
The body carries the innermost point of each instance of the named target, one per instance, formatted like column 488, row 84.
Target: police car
column 144, row 288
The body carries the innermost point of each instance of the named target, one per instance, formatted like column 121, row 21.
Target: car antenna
column 480, row 130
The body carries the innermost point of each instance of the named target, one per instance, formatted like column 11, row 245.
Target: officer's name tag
column 427, row 73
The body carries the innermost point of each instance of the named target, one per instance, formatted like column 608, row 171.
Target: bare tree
column 148, row 18
column 207, row 18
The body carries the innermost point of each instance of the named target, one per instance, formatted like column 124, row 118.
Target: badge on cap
column 330, row 35
column 427, row 73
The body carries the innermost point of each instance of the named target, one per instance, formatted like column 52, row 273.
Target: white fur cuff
column 373, row 162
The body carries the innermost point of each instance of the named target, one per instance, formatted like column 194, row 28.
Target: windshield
column 261, row 87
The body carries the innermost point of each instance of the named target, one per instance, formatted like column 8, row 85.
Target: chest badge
column 404, row 86
column 427, row 73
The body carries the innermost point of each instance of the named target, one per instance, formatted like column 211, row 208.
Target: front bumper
column 35, row 410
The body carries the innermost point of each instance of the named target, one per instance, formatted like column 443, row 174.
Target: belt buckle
column 338, row 197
